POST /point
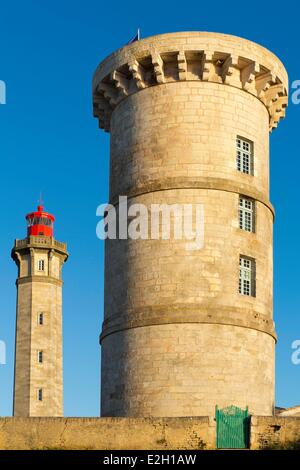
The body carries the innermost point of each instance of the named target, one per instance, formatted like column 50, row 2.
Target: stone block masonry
column 274, row 432
column 38, row 384
column 107, row 433
column 190, row 433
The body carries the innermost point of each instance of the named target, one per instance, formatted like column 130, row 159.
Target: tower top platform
column 190, row 56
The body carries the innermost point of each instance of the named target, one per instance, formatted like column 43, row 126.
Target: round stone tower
column 185, row 330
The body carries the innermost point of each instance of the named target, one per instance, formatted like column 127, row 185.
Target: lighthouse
column 189, row 116
column 38, row 382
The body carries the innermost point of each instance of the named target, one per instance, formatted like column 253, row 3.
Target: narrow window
column 40, row 357
column 247, row 276
column 41, row 318
column 244, row 155
column 41, row 265
column 246, row 214
column 40, row 394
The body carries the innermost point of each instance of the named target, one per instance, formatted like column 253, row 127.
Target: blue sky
column 50, row 142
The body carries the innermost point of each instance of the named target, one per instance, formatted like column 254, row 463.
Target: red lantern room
column 40, row 223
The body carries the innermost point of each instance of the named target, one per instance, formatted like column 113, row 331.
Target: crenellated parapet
column 193, row 56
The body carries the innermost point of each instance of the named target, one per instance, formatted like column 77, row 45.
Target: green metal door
column 232, row 428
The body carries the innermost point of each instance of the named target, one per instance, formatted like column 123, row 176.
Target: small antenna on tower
column 40, row 201
column 137, row 37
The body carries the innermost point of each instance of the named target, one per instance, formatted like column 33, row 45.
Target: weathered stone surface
column 274, row 432
column 107, row 433
column 191, row 433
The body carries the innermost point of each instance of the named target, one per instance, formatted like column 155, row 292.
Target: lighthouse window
column 40, row 357
column 244, row 155
column 41, row 265
column 40, row 221
column 247, row 276
column 40, row 394
column 246, row 214
column 41, row 318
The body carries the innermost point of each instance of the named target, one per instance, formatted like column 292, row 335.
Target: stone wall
column 190, row 433
column 274, row 432
column 107, row 433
